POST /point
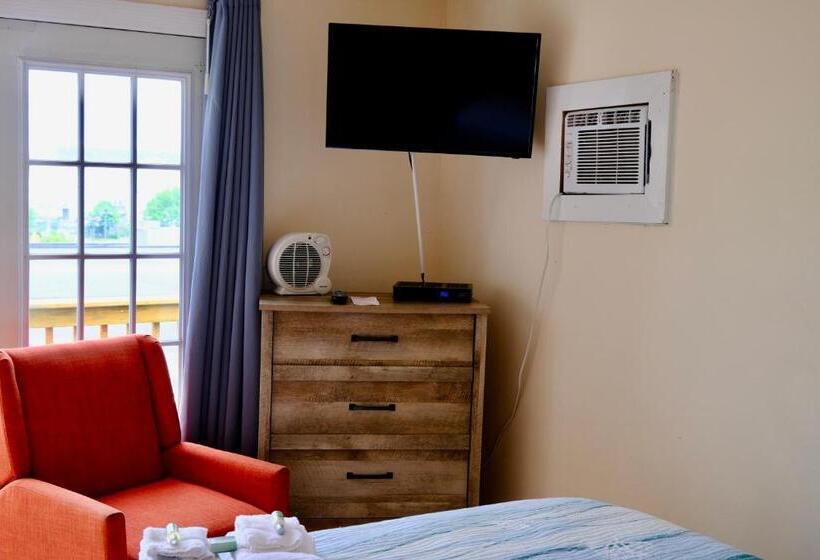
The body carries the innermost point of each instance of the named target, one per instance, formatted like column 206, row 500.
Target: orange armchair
column 91, row 454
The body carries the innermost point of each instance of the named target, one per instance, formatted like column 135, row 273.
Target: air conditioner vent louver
column 609, row 156
column 582, row 119
column 300, row 265
column 605, row 150
column 621, row 116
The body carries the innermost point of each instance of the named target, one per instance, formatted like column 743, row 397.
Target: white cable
column 418, row 213
column 536, row 311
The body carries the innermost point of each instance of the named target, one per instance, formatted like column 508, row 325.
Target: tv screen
column 431, row 90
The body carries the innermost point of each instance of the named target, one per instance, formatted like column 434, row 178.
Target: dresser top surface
column 321, row 304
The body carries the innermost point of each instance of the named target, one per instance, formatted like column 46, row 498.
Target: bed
column 554, row 529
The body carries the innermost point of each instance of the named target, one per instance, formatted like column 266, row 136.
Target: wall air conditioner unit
column 299, row 263
column 606, row 151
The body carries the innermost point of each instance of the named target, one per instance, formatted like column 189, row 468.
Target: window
column 105, row 175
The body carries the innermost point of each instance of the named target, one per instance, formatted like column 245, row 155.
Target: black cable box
column 439, row 292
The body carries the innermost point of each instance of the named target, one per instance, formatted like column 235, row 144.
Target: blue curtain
column 221, row 375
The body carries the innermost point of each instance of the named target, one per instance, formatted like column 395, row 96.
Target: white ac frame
column 656, row 89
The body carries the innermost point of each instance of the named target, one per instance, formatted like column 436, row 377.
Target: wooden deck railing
column 103, row 313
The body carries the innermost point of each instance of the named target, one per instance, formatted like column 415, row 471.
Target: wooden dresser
column 375, row 410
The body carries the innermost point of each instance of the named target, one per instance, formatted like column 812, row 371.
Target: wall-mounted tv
column 431, row 90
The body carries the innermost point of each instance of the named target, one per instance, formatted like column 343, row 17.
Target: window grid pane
column 53, row 213
column 107, row 293
column 107, row 210
column 158, row 210
column 88, row 219
column 159, row 121
column 107, row 118
column 53, row 117
column 158, row 298
column 52, row 290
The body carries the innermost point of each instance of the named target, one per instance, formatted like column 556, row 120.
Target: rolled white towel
column 257, row 534
column 242, row 554
column 193, row 544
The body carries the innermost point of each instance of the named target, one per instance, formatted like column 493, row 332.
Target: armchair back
column 93, row 417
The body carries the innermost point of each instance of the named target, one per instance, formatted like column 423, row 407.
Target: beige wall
column 678, row 367
column 362, row 199
column 677, row 370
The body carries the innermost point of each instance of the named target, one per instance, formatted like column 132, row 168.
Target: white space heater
column 299, row 263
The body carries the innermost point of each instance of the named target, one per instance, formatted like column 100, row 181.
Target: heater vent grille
column 300, row 265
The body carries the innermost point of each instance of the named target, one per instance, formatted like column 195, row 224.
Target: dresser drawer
column 397, row 374
column 364, row 338
column 330, row 511
column 326, row 407
column 291, row 417
column 316, row 442
column 356, row 392
column 375, row 476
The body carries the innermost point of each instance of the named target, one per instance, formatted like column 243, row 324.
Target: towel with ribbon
column 271, row 533
column 188, row 543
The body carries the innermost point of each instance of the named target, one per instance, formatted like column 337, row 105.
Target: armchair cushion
column 170, row 500
column 264, row 485
column 36, row 517
column 89, row 415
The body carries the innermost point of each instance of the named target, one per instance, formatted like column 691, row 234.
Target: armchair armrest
column 259, row 483
column 40, row 521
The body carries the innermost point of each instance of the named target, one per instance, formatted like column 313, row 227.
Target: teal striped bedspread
column 553, row 529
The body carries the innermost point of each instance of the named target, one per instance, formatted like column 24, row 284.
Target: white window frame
column 110, row 14
column 133, row 255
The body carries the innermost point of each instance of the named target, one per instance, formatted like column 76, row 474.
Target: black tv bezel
column 386, row 147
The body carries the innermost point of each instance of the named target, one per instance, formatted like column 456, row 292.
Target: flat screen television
column 431, row 90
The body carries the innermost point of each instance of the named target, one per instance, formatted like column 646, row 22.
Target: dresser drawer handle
column 391, row 338
column 367, row 476
column 382, row 407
